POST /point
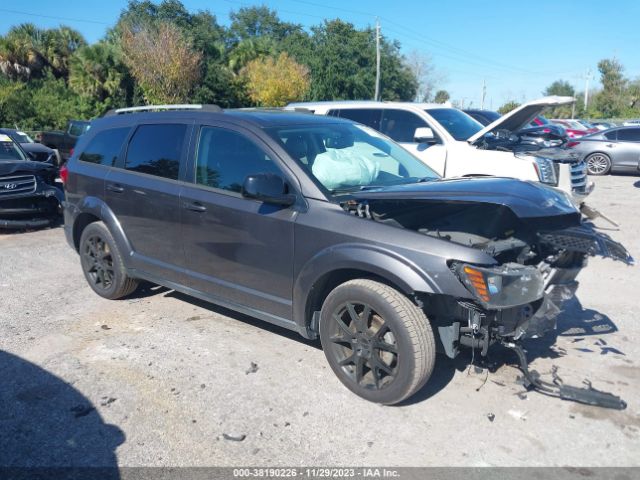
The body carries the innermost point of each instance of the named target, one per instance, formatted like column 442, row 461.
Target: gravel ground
column 165, row 380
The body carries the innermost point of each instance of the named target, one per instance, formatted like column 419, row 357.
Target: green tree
column 27, row 51
column 254, row 22
column 441, row 96
column 508, row 106
column 561, row 88
column 610, row 101
column 98, row 73
column 342, row 59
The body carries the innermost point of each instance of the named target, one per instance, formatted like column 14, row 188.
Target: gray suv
column 325, row 227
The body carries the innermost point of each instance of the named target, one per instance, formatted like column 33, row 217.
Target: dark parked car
column 327, row 228
column 614, row 150
column 485, row 117
column 29, row 197
column 35, row 150
column 65, row 141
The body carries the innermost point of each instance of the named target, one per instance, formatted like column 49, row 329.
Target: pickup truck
column 65, row 141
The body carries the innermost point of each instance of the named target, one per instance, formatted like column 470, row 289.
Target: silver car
column 614, row 150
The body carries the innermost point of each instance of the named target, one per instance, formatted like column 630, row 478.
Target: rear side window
column 611, row 135
column 366, row 116
column 629, row 134
column 226, row 158
column 156, row 150
column 78, row 129
column 104, row 148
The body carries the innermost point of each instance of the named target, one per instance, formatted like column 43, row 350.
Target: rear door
column 96, row 157
column 237, row 249
column 144, row 193
column 627, row 151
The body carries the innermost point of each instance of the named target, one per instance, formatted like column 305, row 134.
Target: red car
column 571, row 130
column 574, row 126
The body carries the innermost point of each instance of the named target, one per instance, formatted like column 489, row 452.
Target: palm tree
column 98, row 72
column 26, row 50
column 58, row 46
column 21, row 52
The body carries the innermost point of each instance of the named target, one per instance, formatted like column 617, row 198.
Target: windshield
column 346, row 157
column 21, row 137
column 9, row 150
column 459, row 125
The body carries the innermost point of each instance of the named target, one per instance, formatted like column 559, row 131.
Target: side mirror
column 424, row 135
column 31, row 155
column 268, row 188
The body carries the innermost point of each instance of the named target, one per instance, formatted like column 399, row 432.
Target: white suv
column 449, row 141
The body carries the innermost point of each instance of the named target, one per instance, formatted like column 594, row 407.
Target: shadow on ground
column 254, row 322
column 45, row 423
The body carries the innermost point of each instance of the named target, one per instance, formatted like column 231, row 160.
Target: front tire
column 378, row 343
column 598, row 164
column 102, row 263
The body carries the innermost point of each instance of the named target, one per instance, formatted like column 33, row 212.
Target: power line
column 68, row 19
column 425, row 39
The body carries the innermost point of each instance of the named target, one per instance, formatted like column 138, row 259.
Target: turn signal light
column 478, row 282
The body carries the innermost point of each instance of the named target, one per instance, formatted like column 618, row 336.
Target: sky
column 516, row 48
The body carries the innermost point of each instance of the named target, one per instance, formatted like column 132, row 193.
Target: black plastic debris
column 234, row 438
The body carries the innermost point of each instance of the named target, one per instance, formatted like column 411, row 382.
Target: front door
column 401, row 125
column 237, row 249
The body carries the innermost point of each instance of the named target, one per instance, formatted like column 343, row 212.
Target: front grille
column 570, row 240
column 17, row 184
column 579, row 177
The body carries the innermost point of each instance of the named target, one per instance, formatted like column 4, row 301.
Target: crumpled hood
column 8, row 167
column 524, row 199
column 520, row 117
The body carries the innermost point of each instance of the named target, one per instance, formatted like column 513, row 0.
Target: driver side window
column 225, row 158
column 400, row 125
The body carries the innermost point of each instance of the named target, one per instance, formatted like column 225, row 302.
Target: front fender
column 381, row 262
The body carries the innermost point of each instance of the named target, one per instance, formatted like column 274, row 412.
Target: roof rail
column 153, row 108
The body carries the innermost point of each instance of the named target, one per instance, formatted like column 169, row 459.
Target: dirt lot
column 162, row 379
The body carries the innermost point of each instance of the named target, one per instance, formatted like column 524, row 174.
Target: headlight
column 545, row 168
column 508, row 285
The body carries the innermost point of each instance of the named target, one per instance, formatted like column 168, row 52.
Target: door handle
column 194, row 206
column 115, row 188
column 610, row 145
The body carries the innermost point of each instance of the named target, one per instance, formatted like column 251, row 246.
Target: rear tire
column 598, row 164
column 102, row 263
column 378, row 343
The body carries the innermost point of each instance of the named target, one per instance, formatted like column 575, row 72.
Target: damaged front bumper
column 34, row 210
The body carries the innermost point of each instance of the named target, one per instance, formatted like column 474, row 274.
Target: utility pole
column 484, row 93
column 586, row 89
column 377, row 94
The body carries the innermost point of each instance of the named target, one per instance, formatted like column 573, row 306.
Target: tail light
column 64, row 174
column 572, row 144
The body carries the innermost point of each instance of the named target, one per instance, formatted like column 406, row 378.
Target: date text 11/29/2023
column 315, row 472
